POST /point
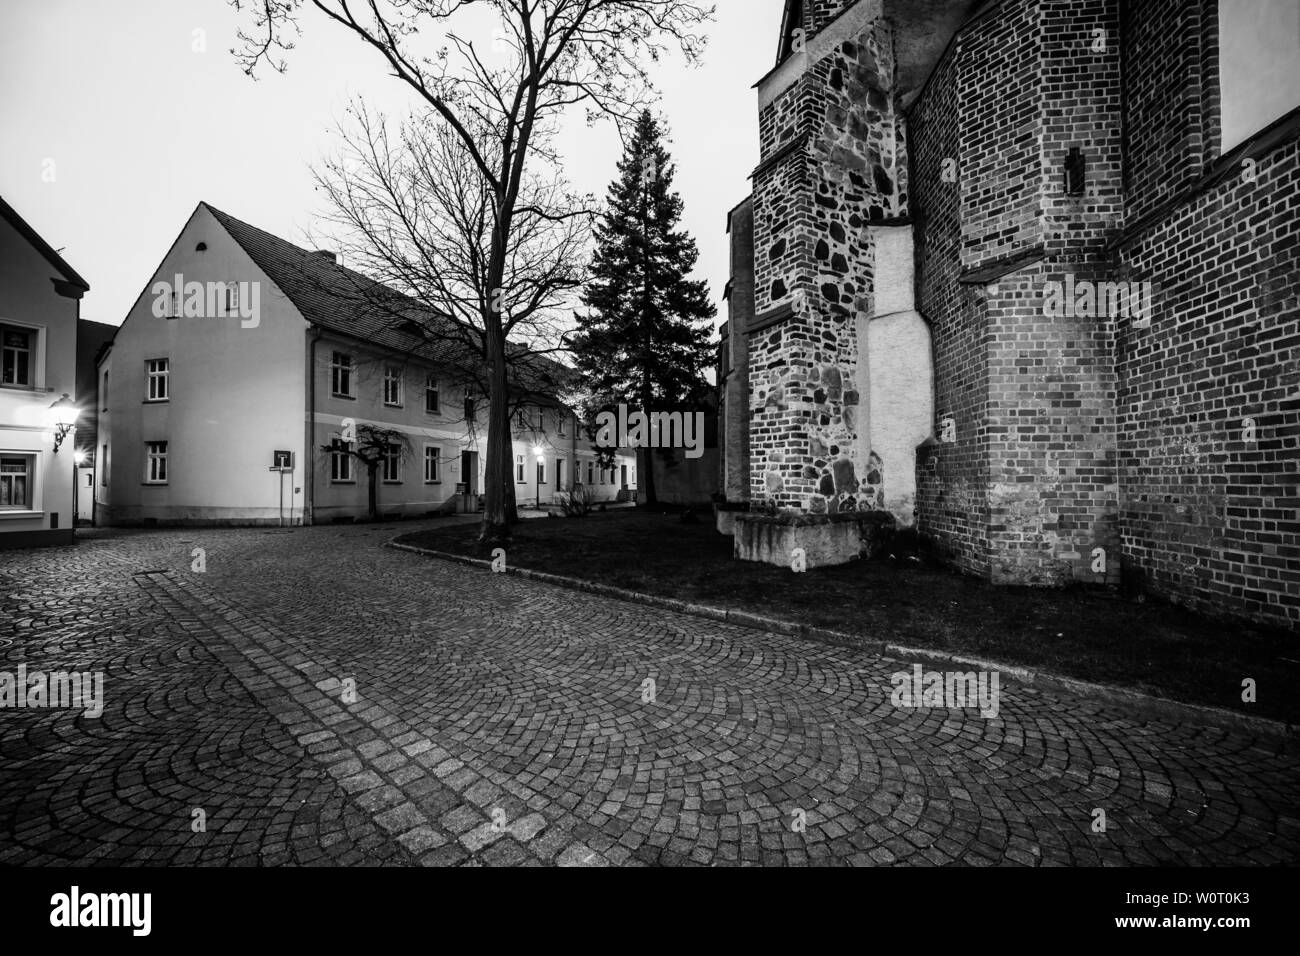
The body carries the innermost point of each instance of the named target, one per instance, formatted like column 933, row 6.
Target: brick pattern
column 1209, row 517
column 952, row 477
column 1171, row 86
column 1078, row 434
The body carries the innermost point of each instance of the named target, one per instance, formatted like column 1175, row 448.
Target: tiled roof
column 345, row 301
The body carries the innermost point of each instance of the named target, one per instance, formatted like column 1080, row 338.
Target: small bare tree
column 555, row 55
column 372, row 447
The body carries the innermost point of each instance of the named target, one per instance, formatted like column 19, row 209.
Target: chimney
column 327, row 254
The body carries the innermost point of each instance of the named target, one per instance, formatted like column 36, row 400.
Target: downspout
column 309, row 452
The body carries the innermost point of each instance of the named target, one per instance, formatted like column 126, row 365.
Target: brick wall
column 952, row 477
column 1078, row 433
column 1208, row 502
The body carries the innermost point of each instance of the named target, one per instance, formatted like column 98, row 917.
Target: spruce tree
column 644, row 339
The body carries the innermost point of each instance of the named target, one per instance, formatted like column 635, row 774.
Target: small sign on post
column 283, row 461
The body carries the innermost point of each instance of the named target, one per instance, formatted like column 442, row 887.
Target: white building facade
column 40, row 298
column 246, row 357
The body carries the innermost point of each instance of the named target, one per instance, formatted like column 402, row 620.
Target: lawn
column 1091, row 634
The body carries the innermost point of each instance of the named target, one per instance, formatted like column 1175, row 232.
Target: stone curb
column 1200, row 714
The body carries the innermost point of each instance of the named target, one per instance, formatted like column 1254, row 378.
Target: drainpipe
column 309, row 451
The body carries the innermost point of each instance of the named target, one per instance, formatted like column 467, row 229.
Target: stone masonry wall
column 832, row 152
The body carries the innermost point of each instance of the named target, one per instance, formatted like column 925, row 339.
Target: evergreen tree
column 644, row 340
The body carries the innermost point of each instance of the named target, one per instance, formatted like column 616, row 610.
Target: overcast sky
column 111, row 101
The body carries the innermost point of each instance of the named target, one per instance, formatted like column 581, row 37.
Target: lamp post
column 538, row 451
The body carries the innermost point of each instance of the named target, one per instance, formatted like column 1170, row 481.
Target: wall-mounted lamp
column 63, row 418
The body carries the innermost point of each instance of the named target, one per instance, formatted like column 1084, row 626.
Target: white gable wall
column 236, row 396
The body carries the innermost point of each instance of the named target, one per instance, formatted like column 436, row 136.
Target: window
column 432, row 399
column 393, row 464
column 232, row 297
column 393, row 386
column 560, row 426
column 174, row 304
column 591, row 473
column 519, row 468
column 341, row 375
column 103, row 464
column 469, row 408
column 15, row 483
column 156, row 463
column 16, row 347
column 157, row 371
column 340, row 466
column 432, row 470
column 541, row 471
column 103, row 401
column 559, row 473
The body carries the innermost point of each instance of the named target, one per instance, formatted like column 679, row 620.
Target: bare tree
column 561, row 54
column 409, row 209
column 372, row 447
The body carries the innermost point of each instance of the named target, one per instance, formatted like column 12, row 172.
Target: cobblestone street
column 501, row 721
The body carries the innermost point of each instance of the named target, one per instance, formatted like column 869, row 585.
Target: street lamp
column 62, row 418
column 538, row 451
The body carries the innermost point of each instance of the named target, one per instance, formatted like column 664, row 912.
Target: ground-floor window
column 16, row 482
column 156, row 462
column 393, row 463
column 340, row 466
column 432, row 469
column 519, row 469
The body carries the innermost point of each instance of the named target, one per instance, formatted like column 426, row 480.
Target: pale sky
column 112, row 102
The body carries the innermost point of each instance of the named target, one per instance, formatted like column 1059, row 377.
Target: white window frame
column 29, row 475
column 32, row 351
column 157, row 374
column 341, row 468
column 431, row 390
column 342, row 367
column 393, row 384
column 541, row 471
column 433, row 456
column 559, row 473
column 156, row 471
column 521, row 476
column 591, row 472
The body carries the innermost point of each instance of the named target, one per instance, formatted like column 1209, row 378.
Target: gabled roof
column 345, row 301
column 69, row 274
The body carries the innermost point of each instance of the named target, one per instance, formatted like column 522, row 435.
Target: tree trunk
column 496, row 522
column 512, row 498
column 371, row 472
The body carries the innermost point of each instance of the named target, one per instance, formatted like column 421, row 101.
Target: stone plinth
column 825, row 539
column 726, row 518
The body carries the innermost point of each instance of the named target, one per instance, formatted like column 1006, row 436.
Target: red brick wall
column 1077, row 433
column 952, row 478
